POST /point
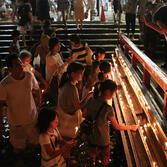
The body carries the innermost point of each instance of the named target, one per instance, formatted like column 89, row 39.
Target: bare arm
column 116, row 126
column 152, row 26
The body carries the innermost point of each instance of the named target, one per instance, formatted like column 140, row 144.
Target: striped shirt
column 81, row 54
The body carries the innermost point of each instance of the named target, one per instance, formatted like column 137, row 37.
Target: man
column 17, row 90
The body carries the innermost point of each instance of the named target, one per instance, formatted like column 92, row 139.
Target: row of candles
column 143, row 102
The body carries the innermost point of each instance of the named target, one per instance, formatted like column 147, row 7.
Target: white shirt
column 51, row 61
column 19, row 98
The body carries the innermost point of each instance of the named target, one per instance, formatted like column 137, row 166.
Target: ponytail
column 96, row 90
column 101, row 87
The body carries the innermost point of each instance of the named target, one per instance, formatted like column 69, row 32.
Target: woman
column 69, row 104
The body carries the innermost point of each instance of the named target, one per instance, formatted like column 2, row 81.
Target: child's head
column 75, row 71
column 16, row 34
column 47, row 118
column 105, row 67
column 25, row 57
column 95, row 66
column 54, row 44
column 100, row 54
column 105, row 88
column 75, row 39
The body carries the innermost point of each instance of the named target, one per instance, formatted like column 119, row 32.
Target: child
column 100, row 140
column 91, row 78
column 15, row 46
column 105, row 70
column 80, row 51
column 50, row 139
column 25, row 57
column 69, row 104
column 99, row 54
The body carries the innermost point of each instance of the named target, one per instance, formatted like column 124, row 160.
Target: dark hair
column 101, row 76
column 101, row 87
column 25, row 53
column 15, row 33
column 100, row 50
column 10, row 59
column 45, row 117
column 72, row 67
column 105, row 67
column 52, row 43
column 95, row 64
column 75, row 39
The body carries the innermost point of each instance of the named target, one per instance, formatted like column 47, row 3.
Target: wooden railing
column 150, row 69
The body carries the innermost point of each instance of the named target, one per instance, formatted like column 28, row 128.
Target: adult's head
column 54, row 45
column 15, row 65
column 75, row 71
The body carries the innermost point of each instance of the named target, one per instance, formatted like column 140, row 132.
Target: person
column 55, row 67
column 99, row 54
column 69, row 104
column 117, row 11
column 25, row 57
column 20, row 91
column 79, row 12
column 14, row 45
column 105, row 70
column 159, row 23
column 91, row 78
column 80, row 51
column 130, row 16
column 25, row 19
column 42, row 11
column 64, row 7
column 52, row 150
column 99, row 141
column 54, row 62
column 42, row 51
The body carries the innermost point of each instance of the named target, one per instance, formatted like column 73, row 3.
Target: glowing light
column 138, row 122
column 166, row 146
column 154, row 124
column 43, row 90
column 76, row 129
column 145, row 125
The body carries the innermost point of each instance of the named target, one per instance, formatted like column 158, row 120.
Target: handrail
column 149, row 67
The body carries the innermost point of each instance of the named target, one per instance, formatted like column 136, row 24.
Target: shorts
column 101, row 151
column 22, row 135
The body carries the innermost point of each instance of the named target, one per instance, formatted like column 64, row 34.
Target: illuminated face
column 101, row 56
column 57, row 47
column 54, row 123
column 26, row 61
column 77, row 76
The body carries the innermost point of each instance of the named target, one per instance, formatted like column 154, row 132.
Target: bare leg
column 77, row 24
column 81, row 25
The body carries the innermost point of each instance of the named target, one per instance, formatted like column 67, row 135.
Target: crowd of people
column 46, row 107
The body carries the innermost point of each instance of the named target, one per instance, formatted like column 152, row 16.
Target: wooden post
column 134, row 61
column 146, row 77
column 126, row 51
column 165, row 105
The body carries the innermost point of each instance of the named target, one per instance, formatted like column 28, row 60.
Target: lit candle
column 76, row 129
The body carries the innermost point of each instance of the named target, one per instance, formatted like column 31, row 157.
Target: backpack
column 88, row 125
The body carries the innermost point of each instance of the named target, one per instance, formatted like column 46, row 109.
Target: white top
column 19, row 98
column 51, row 61
column 53, row 139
